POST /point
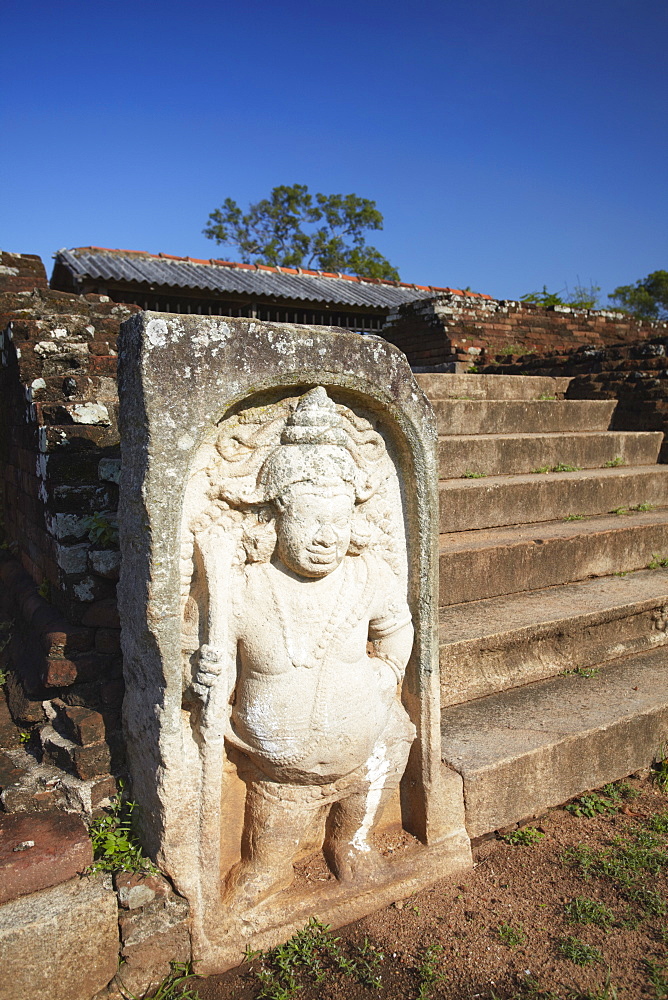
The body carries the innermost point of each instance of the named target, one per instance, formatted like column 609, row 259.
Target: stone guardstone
column 60, row 943
column 278, row 593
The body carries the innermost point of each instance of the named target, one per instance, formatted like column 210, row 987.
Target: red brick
column 83, row 725
column 102, row 613
column 61, row 850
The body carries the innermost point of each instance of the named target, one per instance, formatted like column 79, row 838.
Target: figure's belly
column 322, row 722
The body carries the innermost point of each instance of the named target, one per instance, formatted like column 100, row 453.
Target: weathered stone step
column 504, row 642
column 507, row 454
column 494, row 501
column 522, row 416
column 439, row 386
column 491, row 562
column 525, row 750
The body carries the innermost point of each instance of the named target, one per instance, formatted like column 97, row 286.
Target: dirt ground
column 510, row 928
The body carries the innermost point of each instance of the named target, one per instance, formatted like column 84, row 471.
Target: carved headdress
column 310, row 439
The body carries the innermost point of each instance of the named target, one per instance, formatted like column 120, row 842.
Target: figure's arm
column 395, row 649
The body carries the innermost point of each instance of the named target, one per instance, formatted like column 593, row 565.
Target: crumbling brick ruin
column 451, row 328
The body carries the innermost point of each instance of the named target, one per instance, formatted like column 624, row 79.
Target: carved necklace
column 321, row 647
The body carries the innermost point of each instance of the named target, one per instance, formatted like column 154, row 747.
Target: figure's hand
column 209, row 669
column 389, row 673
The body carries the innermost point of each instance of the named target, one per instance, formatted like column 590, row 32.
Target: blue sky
column 509, row 144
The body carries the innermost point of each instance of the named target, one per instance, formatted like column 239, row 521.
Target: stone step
column 522, row 416
column 495, row 501
column 507, row 454
column 440, row 386
column 504, row 642
column 522, row 751
column 492, row 562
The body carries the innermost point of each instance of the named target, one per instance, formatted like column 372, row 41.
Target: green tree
column 582, row 297
column 647, row 299
column 293, row 228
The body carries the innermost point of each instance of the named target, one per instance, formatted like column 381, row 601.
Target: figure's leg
column 273, row 831
column 346, row 848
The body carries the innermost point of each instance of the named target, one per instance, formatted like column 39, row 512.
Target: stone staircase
column 543, row 574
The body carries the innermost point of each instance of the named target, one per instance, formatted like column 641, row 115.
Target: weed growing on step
column 657, row 562
column 472, row 370
column 116, row 847
column 547, row 397
column 523, row 838
column 574, row 517
column 577, row 951
column 586, row 672
column 428, row 971
column 560, row 467
column 620, row 511
column 102, row 529
column 512, row 936
column 643, row 507
column 583, row 910
column 311, row 954
column 614, row 463
column 473, row 475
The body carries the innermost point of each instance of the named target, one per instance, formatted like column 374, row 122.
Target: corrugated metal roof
column 164, row 271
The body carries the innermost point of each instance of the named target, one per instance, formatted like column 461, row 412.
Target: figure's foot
column 351, row 863
column 248, row 884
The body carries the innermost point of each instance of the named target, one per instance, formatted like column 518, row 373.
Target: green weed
column 643, row 507
column 512, row 936
column 591, row 806
column 659, row 772
column 657, row 562
column 472, row 370
column 171, row 988
column 102, row 529
column 586, row 672
column 473, row 475
column 428, row 971
column 116, row 847
column 620, row 511
column 574, row 517
column 523, row 838
column 659, row 823
column 541, row 470
column 312, row 953
column 563, row 467
column 577, row 951
column 44, row 589
column 510, row 349
column 582, row 910
column 657, row 974
column 547, row 397
column 615, row 462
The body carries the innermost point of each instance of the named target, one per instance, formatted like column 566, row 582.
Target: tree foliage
column 647, row 299
column 582, row 297
column 293, row 228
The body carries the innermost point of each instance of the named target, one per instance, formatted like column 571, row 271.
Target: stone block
column 136, row 890
column 152, row 937
column 83, row 725
column 102, row 614
column 86, row 762
column 9, row 733
column 39, row 851
column 105, row 562
column 60, row 943
column 10, row 773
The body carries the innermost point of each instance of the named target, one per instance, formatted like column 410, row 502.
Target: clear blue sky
column 508, row 143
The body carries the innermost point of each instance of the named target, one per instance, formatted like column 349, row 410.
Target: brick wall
column 452, row 328
column 59, row 468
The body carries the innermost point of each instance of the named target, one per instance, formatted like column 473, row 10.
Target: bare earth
column 498, row 933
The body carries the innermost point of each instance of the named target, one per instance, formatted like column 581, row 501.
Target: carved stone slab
column 278, row 599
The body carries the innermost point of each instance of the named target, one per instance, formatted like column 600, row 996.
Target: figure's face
column 313, row 529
